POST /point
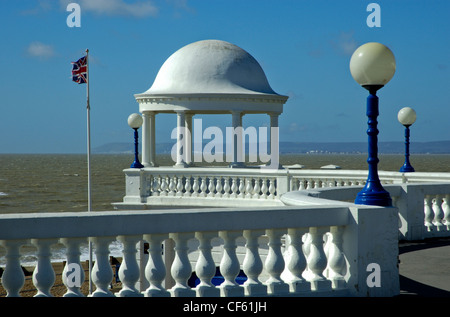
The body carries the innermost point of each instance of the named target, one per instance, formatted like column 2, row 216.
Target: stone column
column 238, row 149
column 181, row 135
column 188, row 139
column 148, row 139
column 274, row 141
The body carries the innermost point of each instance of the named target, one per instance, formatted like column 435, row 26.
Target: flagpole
column 88, row 108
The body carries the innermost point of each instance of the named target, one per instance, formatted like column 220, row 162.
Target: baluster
column 102, row 273
column 317, row 183
column 226, row 187
column 195, row 187
column 172, row 185
column 151, row 182
column 275, row 263
column 317, row 261
column 164, row 186
column 181, row 267
column 234, row 188
column 241, row 187
column 326, row 248
column 73, row 274
column 297, row 261
column 155, row 270
column 336, row 259
column 446, row 208
column 429, row 214
column 253, row 265
column 256, row 189
column 272, row 189
column 205, row 267
column 187, row 186
column 13, row 278
column 43, row 275
column 203, row 186
column 293, row 184
column 438, row 213
column 310, row 184
column 129, row 269
column 301, row 184
column 219, row 187
column 264, row 188
column 180, row 186
column 211, row 187
column 248, row 188
column 229, row 265
column 156, row 186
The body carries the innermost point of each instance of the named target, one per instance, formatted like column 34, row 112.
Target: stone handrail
column 297, row 262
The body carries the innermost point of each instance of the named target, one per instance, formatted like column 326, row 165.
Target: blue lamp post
column 372, row 66
column 407, row 116
column 135, row 122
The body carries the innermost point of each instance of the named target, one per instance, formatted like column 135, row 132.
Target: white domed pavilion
column 206, row 77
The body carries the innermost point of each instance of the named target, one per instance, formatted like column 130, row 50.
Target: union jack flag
column 79, row 70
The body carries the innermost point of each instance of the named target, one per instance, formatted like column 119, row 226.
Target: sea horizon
column 58, row 182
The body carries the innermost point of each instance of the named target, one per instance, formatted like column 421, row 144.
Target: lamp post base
column 407, row 169
column 136, row 164
column 374, row 197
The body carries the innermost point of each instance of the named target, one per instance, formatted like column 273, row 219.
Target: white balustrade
column 291, row 260
column 436, row 214
column 198, row 184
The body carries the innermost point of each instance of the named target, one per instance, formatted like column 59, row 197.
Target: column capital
column 148, row 113
column 237, row 112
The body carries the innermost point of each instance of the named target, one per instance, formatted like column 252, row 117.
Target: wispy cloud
column 139, row 9
column 344, row 43
column 180, row 6
column 42, row 6
column 40, row 50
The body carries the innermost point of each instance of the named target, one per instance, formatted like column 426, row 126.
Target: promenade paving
column 425, row 268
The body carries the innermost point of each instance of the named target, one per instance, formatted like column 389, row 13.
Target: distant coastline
column 434, row 147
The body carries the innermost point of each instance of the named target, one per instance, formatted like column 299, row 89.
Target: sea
column 58, row 182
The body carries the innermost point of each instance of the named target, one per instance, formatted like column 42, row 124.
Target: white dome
column 210, row 67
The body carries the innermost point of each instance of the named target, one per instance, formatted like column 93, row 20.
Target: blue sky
column 304, row 48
